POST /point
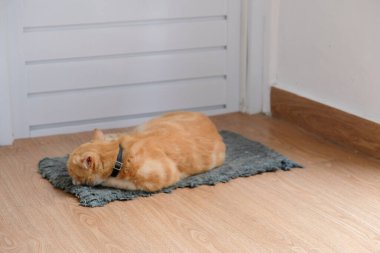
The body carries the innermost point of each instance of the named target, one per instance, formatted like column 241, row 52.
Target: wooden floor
column 333, row 205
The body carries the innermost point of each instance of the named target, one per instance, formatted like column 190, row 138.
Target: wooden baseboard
column 330, row 123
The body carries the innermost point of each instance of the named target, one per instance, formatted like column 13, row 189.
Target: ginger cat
column 155, row 155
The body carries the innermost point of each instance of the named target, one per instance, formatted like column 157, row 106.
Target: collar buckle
column 118, row 165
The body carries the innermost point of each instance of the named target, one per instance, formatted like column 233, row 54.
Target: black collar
column 119, row 162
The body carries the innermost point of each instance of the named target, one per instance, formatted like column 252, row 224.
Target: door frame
column 6, row 126
column 262, row 37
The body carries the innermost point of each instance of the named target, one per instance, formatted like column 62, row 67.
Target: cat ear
column 98, row 135
column 87, row 162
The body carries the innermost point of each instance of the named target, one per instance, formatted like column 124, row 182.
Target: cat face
column 84, row 164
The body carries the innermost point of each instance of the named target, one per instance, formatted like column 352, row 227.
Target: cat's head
column 84, row 164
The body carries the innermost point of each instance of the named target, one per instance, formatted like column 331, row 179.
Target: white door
column 80, row 64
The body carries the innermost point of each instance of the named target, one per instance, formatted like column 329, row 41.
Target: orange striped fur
column 156, row 154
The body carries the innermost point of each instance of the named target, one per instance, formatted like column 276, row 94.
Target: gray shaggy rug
column 244, row 158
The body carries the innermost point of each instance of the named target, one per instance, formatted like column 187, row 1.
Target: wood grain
column 330, row 206
column 330, row 123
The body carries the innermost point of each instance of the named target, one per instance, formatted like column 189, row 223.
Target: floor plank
column 330, row 206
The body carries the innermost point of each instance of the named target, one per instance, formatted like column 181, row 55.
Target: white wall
column 5, row 103
column 329, row 51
